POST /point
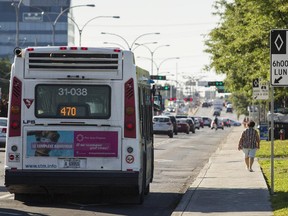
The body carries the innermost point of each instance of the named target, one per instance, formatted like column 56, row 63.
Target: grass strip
column 279, row 199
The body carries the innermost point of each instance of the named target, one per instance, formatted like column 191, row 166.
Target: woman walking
column 249, row 143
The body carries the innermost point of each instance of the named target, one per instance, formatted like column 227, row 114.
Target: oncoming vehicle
column 80, row 118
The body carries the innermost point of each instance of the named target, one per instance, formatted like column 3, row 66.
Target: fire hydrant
column 282, row 134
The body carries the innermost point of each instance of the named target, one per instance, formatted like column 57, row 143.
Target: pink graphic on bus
column 95, row 144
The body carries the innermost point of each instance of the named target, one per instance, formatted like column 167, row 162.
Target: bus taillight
column 15, row 108
column 129, row 109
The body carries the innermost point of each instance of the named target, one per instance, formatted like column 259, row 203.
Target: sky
column 182, row 24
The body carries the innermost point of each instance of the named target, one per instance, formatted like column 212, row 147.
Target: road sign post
column 278, row 58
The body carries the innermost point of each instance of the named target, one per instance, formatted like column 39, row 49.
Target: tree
column 5, row 66
column 239, row 46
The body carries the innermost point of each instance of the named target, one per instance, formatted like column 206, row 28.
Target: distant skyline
column 182, row 25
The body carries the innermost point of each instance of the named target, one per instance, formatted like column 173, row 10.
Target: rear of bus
column 73, row 122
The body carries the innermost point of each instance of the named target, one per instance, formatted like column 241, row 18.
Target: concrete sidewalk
column 225, row 187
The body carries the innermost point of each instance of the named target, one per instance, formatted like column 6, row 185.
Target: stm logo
column 28, row 102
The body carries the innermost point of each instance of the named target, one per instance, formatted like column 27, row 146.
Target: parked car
column 174, row 122
column 234, row 122
column 183, row 125
column 181, row 116
column 162, row 125
column 3, row 130
column 201, row 122
column 191, row 124
column 196, row 122
column 226, row 122
column 207, row 121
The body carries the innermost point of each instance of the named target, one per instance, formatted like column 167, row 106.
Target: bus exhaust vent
column 73, row 61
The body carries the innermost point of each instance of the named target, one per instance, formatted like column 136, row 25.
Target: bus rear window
column 73, row 101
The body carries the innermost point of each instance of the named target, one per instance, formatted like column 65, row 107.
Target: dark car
column 216, row 113
column 229, row 109
column 183, row 125
column 174, row 122
column 196, row 122
column 205, row 104
column 191, row 124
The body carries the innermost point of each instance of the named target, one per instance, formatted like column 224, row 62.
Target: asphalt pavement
column 225, row 187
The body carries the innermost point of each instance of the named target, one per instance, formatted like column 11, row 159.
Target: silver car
column 162, row 125
column 3, row 130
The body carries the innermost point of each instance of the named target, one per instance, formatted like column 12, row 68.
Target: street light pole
column 126, row 42
column 60, row 14
column 158, row 68
column 117, row 44
column 152, row 53
column 17, row 8
column 80, row 30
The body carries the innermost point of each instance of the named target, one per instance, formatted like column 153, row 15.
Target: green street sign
column 216, row 83
column 157, row 77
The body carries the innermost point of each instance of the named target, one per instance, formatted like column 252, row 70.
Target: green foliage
column 239, row 46
column 5, row 66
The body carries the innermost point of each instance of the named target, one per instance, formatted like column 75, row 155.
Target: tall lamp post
column 152, row 53
column 17, row 7
column 80, row 30
column 161, row 63
column 117, row 44
column 126, row 42
column 60, row 14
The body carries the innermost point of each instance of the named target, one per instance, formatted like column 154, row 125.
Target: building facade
column 26, row 23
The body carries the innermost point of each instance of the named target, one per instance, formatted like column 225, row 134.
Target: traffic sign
column 278, row 58
column 216, row 83
column 158, row 77
column 260, row 89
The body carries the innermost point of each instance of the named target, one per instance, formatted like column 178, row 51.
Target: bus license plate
column 72, row 163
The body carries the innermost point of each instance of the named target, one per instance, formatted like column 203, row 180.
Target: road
column 178, row 161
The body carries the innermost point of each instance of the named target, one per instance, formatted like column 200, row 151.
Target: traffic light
column 157, row 77
column 166, row 88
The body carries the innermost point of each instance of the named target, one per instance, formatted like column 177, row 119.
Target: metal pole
column 272, row 140
column 152, row 61
column 17, row 25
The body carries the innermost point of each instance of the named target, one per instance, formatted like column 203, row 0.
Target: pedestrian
column 245, row 122
column 249, row 143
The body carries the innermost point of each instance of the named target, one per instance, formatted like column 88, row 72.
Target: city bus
column 79, row 118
